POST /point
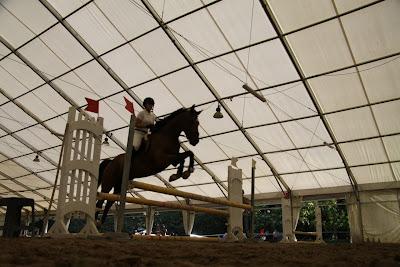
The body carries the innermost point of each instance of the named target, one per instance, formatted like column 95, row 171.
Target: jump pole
column 148, row 202
column 175, row 192
column 125, row 175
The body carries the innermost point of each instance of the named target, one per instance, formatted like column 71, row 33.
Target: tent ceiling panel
column 159, row 52
column 21, row 73
column 65, row 8
column 127, row 16
column 293, row 103
column 237, row 19
column 373, row 174
column 75, row 87
column 12, row 147
column 339, row 90
column 353, row 124
column 301, row 181
column 12, row 169
column 289, row 161
column 364, row 152
column 13, row 186
column 321, row 158
column 332, row 178
column 12, row 29
column 396, row 170
column 225, row 74
column 33, row 182
column 9, row 84
column 344, row 5
column 35, row 197
column 44, row 102
column 245, row 164
column 320, row 48
column 392, row 146
column 53, row 154
column 128, row 65
column 49, row 176
column 38, row 137
column 65, row 46
column 307, row 132
column 13, row 117
column 28, row 163
column 3, row 50
column 150, row 180
column 58, row 124
column 206, row 150
column 268, row 64
column 97, row 79
column 165, row 102
column 387, row 117
column 381, row 79
column 234, row 144
column 112, row 150
column 250, row 111
column 199, row 44
column 210, row 190
column 266, row 185
column 379, row 23
column 44, row 58
column 292, row 15
column 188, row 87
column 93, row 26
column 171, row 9
column 271, row 138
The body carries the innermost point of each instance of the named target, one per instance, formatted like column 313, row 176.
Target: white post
column 188, row 219
column 149, row 219
column 235, row 220
column 287, row 222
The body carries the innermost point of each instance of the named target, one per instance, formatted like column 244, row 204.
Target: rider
column 144, row 122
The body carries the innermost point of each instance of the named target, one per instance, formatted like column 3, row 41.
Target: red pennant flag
column 92, row 105
column 129, row 105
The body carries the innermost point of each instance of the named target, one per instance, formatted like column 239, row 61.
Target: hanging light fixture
column 253, row 92
column 36, row 159
column 105, row 142
column 218, row 114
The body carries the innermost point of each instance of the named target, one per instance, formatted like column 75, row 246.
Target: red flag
column 129, row 105
column 92, row 105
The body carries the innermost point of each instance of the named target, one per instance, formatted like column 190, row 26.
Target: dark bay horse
column 161, row 151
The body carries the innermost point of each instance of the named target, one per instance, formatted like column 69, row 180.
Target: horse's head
column 191, row 125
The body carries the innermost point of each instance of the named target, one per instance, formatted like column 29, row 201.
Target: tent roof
column 328, row 69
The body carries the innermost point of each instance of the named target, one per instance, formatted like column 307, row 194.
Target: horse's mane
column 161, row 123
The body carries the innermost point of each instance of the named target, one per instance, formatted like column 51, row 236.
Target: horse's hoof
column 185, row 174
column 173, row 177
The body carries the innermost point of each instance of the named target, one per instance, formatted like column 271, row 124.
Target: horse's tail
column 102, row 168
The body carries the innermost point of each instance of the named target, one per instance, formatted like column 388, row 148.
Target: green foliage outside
column 269, row 218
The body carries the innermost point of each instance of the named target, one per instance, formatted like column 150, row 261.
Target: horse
column 161, row 151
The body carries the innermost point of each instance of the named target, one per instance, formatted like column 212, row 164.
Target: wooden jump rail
column 175, row 192
column 149, row 202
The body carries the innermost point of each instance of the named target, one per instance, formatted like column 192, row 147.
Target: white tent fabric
column 328, row 69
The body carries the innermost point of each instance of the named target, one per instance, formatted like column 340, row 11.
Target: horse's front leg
column 180, row 159
column 187, row 173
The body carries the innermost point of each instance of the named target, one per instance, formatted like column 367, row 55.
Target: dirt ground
column 106, row 252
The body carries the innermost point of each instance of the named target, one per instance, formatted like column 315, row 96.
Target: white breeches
column 137, row 139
